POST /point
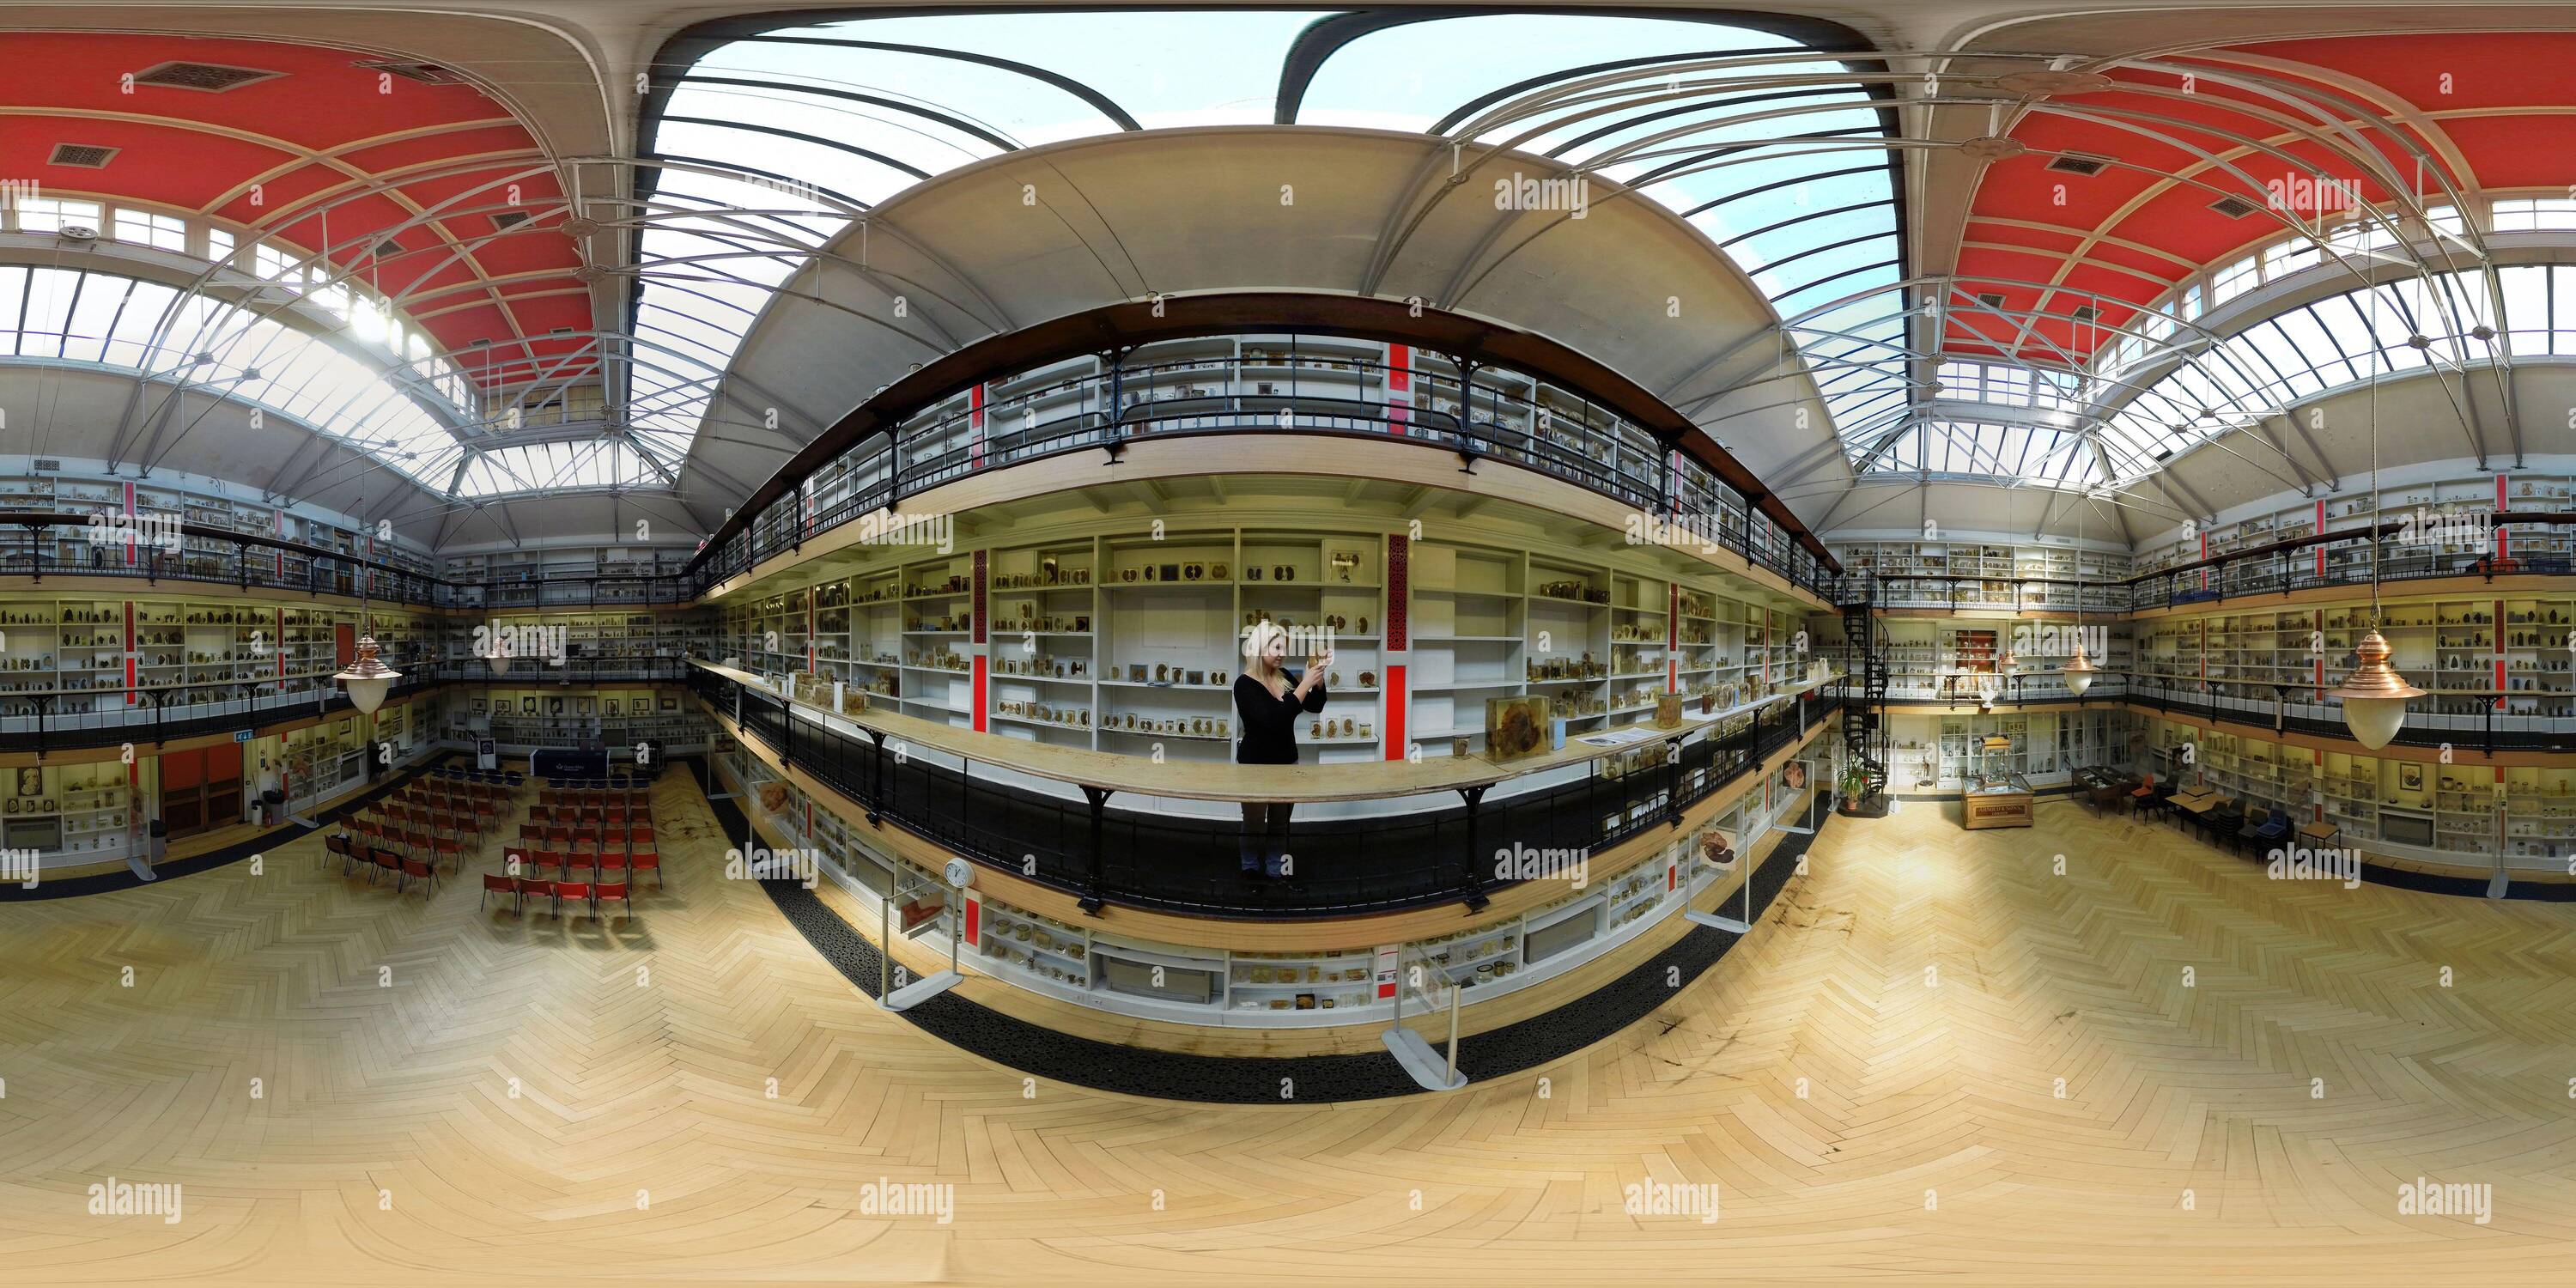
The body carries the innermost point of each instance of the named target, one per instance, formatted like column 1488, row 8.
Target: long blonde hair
column 1256, row 650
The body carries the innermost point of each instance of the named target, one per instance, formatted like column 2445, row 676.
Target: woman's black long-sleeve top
column 1270, row 724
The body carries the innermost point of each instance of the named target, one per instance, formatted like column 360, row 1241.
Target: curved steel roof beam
column 958, row 123
column 1098, row 101
column 860, row 215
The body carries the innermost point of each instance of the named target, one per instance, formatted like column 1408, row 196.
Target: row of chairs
column 380, row 861
column 430, row 841
column 583, row 799
column 438, row 791
column 603, row 838
column 617, row 812
column 491, row 777
column 598, row 784
column 581, row 894
column 518, row 861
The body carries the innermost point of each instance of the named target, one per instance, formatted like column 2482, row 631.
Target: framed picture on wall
column 528, row 705
column 2410, row 775
column 554, row 706
column 670, row 703
column 610, row 706
column 31, row 782
column 581, row 706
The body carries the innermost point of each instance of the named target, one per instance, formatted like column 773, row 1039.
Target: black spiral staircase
column 1865, row 730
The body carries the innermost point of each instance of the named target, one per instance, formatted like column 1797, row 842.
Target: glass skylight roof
column 2300, row 353
column 59, row 314
column 360, row 394
column 1773, row 154
column 2030, row 453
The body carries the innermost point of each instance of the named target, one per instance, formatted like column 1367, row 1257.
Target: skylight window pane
column 2291, row 256
column 2234, row 280
column 147, row 228
column 145, row 305
column 93, row 317
column 54, row 214
column 50, row 292
column 273, row 264
column 13, row 294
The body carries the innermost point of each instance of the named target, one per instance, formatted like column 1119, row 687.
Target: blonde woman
column 1268, row 698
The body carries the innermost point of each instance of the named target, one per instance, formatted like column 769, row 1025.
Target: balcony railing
column 1148, row 859
column 45, row 722
column 1108, row 411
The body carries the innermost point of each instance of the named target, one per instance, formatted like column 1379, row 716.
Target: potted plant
column 1854, row 786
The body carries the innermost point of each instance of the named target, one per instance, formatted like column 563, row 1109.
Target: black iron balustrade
column 1187, row 864
column 2485, row 731
column 1592, row 449
column 65, row 720
column 35, row 545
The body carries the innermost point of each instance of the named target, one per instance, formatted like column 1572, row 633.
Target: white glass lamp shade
column 2078, row 671
column 2374, row 696
column 367, row 679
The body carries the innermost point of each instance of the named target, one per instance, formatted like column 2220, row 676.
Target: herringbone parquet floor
column 1873, row 1084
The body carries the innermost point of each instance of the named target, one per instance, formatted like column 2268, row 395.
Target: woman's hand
column 1314, row 676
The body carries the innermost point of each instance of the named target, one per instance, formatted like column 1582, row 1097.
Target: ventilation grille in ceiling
column 425, row 73
column 2079, row 163
column 1991, row 299
column 88, row 156
column 2086, row 313
column 212, row 78
column 509, row 218
column 2234, row 207
column 46, row 465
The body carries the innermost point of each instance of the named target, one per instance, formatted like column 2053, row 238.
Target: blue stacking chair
column 2273, row 830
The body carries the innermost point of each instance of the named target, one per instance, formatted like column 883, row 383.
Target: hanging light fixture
column 367, row 679
column 2079, row 670
column 2374, row 695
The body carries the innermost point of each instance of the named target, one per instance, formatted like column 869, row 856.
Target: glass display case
column 1996, row 800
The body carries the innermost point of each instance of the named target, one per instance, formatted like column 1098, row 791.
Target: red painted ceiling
column 2496, row 102
column 378, row 149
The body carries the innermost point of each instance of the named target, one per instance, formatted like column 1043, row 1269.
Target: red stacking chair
column 506, row 885
column 610, row 867
column 614, row 890
column 577, row 891
column 537, row 888
column 559, row 836
column 516, row 862
column 639, row 837
column 644, row 861
column 386, row 861
column 453, row 852
column 415, row 868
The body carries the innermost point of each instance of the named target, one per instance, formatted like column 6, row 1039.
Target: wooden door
column 201, row 790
